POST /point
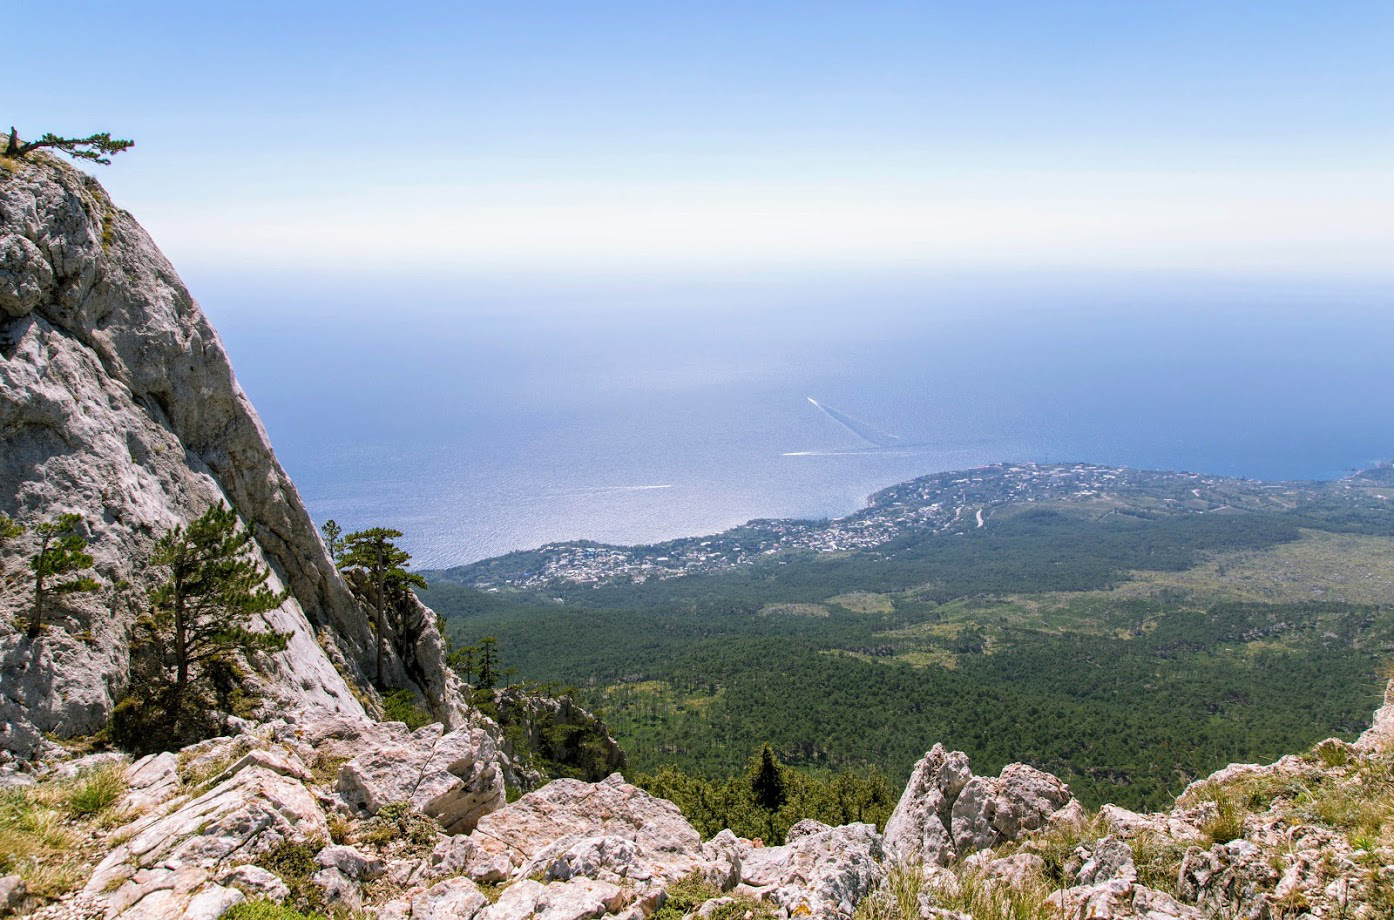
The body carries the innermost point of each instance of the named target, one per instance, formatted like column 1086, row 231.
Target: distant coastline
column 958, row 501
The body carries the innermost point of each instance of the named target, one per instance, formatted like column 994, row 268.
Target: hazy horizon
column 622, row 140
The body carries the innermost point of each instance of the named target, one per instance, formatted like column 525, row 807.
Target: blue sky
column 661, row 138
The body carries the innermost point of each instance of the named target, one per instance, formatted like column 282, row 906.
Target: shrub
column 1158, row 861
column 97, row 790
column 897, row 899
column 402, row 706
column 37, row 843
column 262, row 909
column 981, row 899
column 1227, row 823
column 686, row 896
column 397, row 821
column 294, row 862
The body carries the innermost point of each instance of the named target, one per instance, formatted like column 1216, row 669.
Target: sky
column 642, row 139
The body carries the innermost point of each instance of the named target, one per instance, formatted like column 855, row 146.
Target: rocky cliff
column 117, row 401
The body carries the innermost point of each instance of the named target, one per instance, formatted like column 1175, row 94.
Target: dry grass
column 45, row 829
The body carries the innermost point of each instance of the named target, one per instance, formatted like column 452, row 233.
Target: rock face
column 611, row 825
column 454, row 776
column 823, row 872
column 946, row 811
column 117, row 402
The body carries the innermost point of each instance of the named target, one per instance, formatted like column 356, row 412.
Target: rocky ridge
column 397, row 824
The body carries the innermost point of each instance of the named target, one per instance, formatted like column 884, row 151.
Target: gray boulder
column 621, row 830
column 992, row 810
column 821, row 873
column 454, row 777
column 947, row 812
column 919, row 828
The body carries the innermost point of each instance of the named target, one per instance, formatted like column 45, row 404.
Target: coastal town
column 943, row 503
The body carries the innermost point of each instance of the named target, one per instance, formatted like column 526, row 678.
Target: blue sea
column 483, row 416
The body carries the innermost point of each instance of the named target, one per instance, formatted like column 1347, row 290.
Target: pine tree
column 200, row 614
column 767, row 781
column 98, row 148
column 488, row 664
column 382, row 564
column 333, row 538
column 62, row 551
column 461, row 660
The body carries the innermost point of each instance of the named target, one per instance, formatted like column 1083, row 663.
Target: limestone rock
column 577, row 899
column 990, row 810
column 255, row 882
column 11, row 893
column 117, row 402
column 547, row 823
column 947, row 812
column 351, row 862
column 171, row 858
column 452, row 899
column 341, row 892
column 454, row 776
column 918, row 829
column 1110, row 859
column 153, row 779
column 1120, row 899
column 1233, row 876
column 1016, row 870
column 1128, row 824
column 452, row 856
column 825, row 873
column 1381, row 731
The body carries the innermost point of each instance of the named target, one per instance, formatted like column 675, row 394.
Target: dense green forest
column 1127, row 654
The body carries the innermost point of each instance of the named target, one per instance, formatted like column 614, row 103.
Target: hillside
column 1129, row 631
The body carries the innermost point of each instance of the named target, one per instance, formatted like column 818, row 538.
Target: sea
column 480, row 416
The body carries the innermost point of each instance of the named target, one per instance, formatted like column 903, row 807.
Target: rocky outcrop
column 452, row 776
column 117, row 402
column 612, row 826
column 946, row 811
column 822, row 872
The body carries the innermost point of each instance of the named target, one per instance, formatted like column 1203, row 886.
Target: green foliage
column 97, row 790
column 185, row 647
column 548, row 732
column 294, row 863
column 685, row 896
column 374, row 556
column 767, row 781
column 62, row 551
column 333, row 538
column 403, row 706
column 264, row 909
column 9, row 529
column 711, row 805
column 97, row 148
column 398, row 821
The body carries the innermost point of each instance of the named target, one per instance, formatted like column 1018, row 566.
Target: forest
column 1126, row 654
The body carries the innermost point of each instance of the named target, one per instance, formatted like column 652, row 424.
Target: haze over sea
column 489, row 417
